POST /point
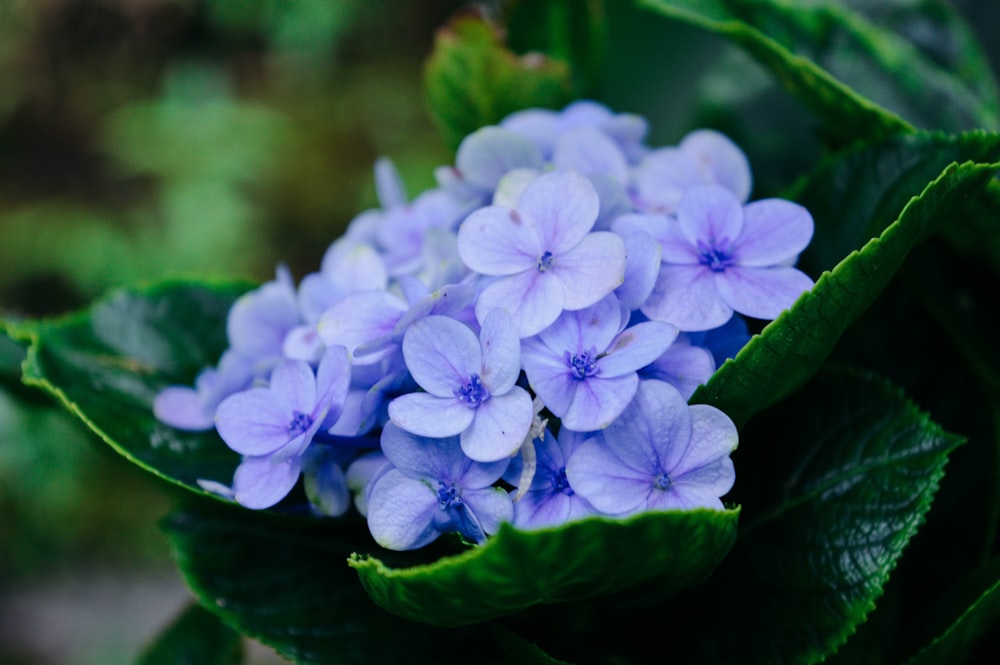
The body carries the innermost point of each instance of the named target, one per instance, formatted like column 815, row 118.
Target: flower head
column 661, row 454
column 432, row 488
column 469, row 385
column 543, row 254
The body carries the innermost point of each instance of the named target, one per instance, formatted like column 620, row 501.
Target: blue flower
column 432, row 488
column 703, row 157
column 543, row 254
column 272, row 427
column 720, row 257
column 584, row 365
column 469, row 383
column 550, row 499
column 661, row 454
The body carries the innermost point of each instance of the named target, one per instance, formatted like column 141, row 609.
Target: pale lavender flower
column 703, row 157
column 432, row 488
column 661, row 454
column 543, row 254
column 684, row 366
column 187, row 408
column 469, row 383
column 259, row 321
column 272, row 427
column 545, row 127
column 483, row 158
column 720, row 257
column 584, row 366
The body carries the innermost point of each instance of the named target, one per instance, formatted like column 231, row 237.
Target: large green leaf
column 793, row 346
column 844, row 114
column 859, row 77
column 285, row 582
column 879, row 64
column 844, row 476
column 106, row 365
column 516, row 570
column 473, row 79
column 196, row 637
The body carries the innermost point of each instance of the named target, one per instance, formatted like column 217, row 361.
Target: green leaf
column 955, row 644
column 284, row 581
column 879, row 64
column 856, row 193
column 106, row 365
column 473, row 80
column 515, row 570
column 792, row 347
column 848, row 474
column 845, row 115
column 520, row 650
column 196, row 637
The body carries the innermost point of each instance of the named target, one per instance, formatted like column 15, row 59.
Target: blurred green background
column 148, row 138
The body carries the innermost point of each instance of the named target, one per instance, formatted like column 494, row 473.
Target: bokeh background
column 141, row 139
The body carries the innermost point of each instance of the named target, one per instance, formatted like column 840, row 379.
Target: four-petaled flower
column 661, row 454
column 432, row 488
column 543, row 253
column 584, row 365
column 720, row 256
column 469, row 385
column 272, row 427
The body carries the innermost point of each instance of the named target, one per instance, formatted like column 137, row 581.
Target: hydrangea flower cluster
column 515, row 345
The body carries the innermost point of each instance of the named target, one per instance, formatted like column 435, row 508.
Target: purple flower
column 584, row 365
column 719, row 257
column 193, row 409
column 704, row 157
column 550, row 499
column 272, row 427
column 684, row 366
column 469, row 383
column 661, row 454
column 259, row 320
column 545, row 127
column 543, row 254
column 432, row 488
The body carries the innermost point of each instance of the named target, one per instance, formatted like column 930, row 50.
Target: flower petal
column 774, row 232
column 597, row 402
column 710, row 214
column 499, row 241
column 487, row 154
column 761, row 293
column 725, row 160
column 642, row 265
column 713, row 437
column 608, row 484
column 636, row 347
column 441, row 354
column 253, row 422
column 592, row 269
column 564, row 205
column 424, row 414
column 501, row 352
column 499, row 427
column 491, row 505
column 533, row 298
column 687, row 297
column 260, row 482
column 653, row 432
column 401, row 512
column 588, row 150
column 362, row 318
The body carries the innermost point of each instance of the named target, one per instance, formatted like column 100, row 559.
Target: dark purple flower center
column 662, row 482
column 473, row 393
column 545, row 261
column 717, row 255
column 300, row 423
column 560, row 483
column 582, row 365
column 448, row 496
